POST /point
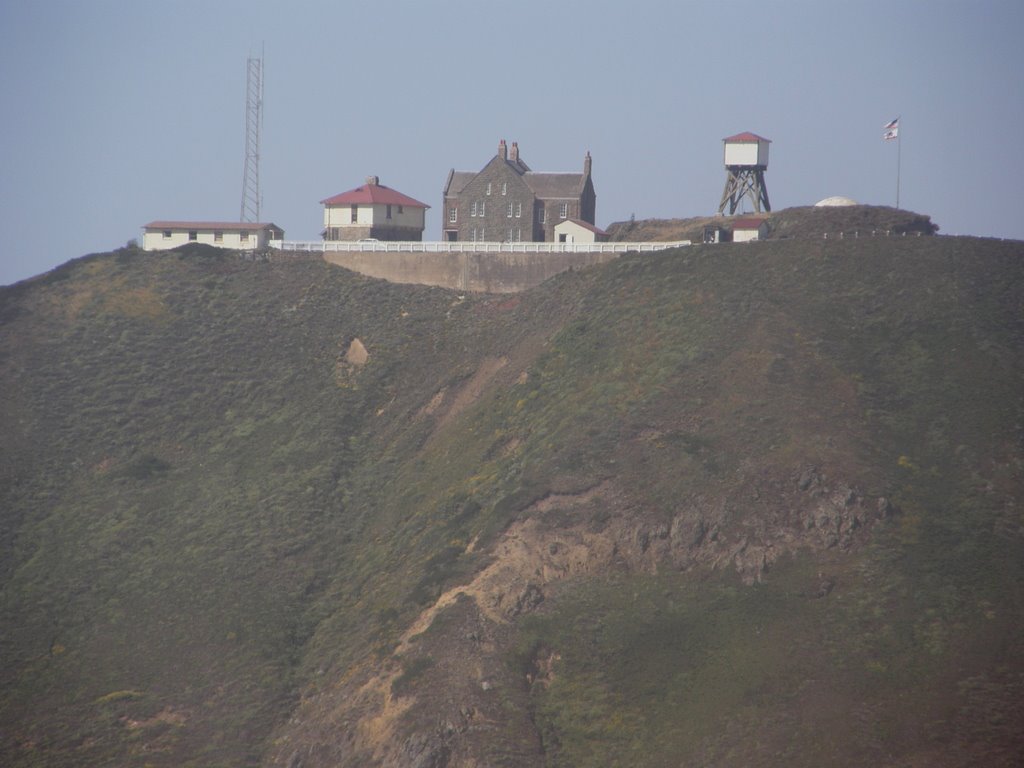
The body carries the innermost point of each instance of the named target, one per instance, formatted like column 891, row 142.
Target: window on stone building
column 488, row 187
column 483, row 208
column 543, row 215
column 519, row 210
column 563, row 211
column 504, row 187
column 472, row 210
column 453, row 214
column 510, row 210
column 355, row 214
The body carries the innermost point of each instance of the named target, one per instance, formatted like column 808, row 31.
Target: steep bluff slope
column 729, row 505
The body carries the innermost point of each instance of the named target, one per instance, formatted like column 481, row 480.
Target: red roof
column 588, row 225
column 746, row 136
column 748, row 223
column 226, row 226
column 376, row 194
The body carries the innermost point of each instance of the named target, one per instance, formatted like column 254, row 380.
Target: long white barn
column 242, row 236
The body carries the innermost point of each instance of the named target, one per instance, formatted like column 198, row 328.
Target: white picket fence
column 384, row 246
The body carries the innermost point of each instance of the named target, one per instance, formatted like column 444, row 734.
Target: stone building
column 507, row 202
column 373, row 211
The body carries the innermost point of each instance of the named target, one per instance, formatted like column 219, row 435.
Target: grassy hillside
column 806, row 222
column 730, row 505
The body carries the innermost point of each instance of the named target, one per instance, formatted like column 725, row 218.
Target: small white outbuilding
column 578, row 231
column 749, row 229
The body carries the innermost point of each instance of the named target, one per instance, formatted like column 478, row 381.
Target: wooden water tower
column 746, row 160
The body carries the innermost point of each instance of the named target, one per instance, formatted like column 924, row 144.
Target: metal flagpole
column 892, row 132
column 899, row 146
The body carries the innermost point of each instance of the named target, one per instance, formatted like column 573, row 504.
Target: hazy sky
column 115, row 113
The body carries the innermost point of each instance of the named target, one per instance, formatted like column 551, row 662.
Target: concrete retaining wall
column 486, row 272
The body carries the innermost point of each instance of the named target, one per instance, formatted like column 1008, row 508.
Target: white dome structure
column 835, row 202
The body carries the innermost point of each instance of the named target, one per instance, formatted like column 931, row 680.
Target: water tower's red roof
column 746, row 136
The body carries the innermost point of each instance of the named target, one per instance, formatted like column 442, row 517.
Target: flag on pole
column 891, row 130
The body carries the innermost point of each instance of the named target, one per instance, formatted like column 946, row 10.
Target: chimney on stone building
column 513, row 155
column 373, row 181
column 586, row 164
column 502, row 150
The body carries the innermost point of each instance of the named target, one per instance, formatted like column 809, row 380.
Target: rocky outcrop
column 450, row 715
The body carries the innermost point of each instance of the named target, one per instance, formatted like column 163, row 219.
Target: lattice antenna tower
column 251, row 196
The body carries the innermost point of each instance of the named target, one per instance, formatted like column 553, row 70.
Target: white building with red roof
column 243, row 236
column 373, row 211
